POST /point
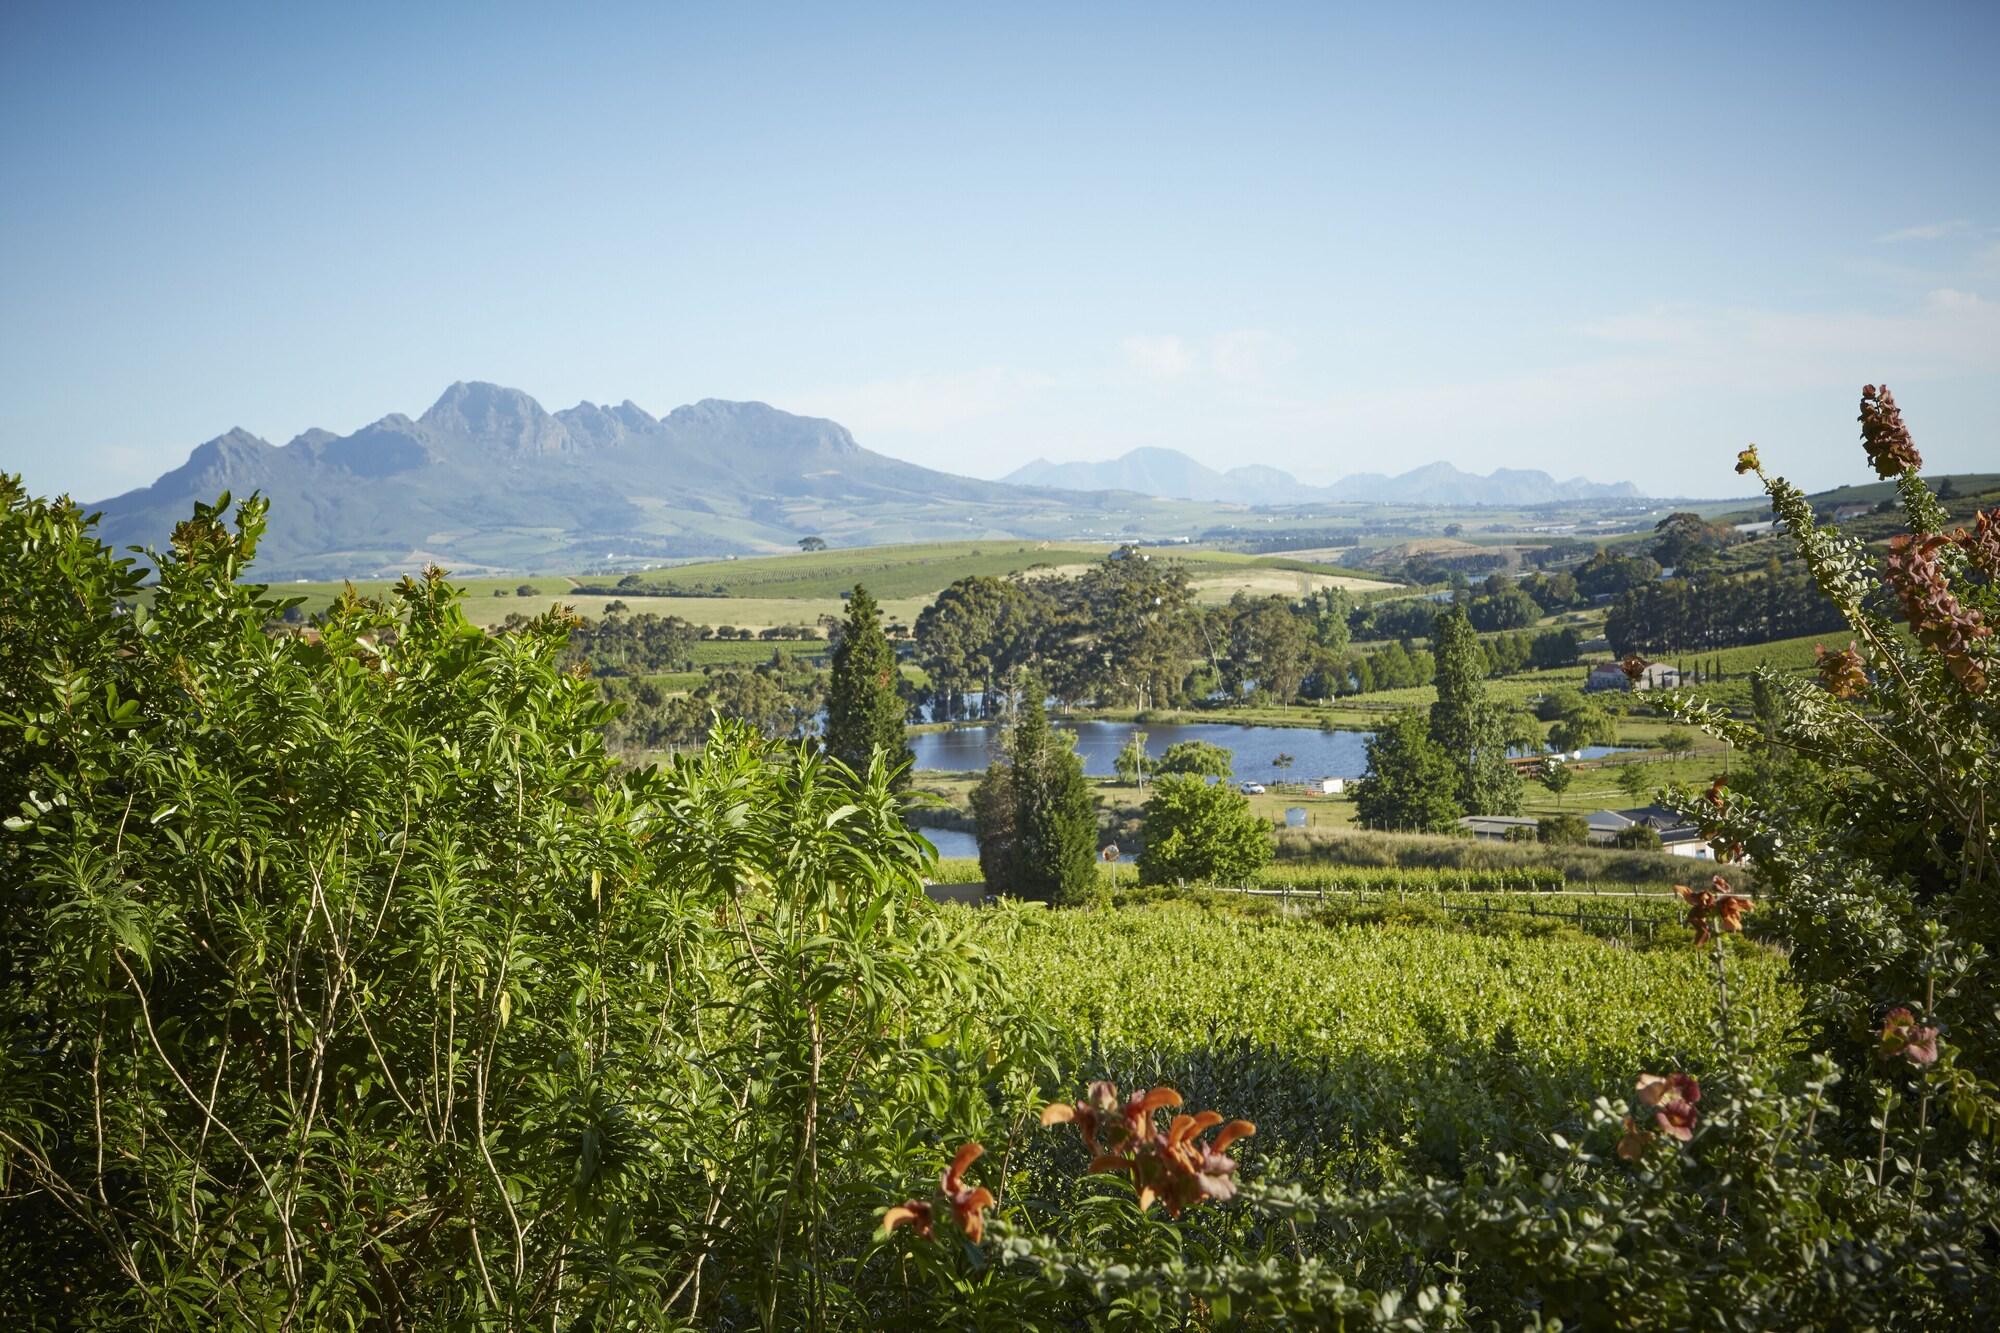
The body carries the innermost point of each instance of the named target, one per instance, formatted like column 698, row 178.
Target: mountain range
column 1172, row 474
column 487, row 480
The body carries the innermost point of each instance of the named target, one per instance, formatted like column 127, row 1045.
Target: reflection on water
column 1315, row 754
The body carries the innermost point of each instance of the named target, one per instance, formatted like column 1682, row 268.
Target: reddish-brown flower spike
column 1092, row 1116
column 1884, row 435
column 1634, row 666
column 1844, row 674
column 1234, row 1130
column 1982, row 544
column 1714, row 908
column 1936, row 616
column 1172, row 1166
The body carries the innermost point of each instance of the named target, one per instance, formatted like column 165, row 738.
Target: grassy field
column 799, row 589
column 923, row 570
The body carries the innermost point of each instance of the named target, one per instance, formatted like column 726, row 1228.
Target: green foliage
column 1133, row 763
column 993, row 814
column 345, row 981
column 864, row 710
column 1037, row 824
column 1201, row 759
column 1581, row 722
column 1637, row 838
column 1566, row 830
column 1555, row 648
column 1467, row 728
column 1200, row 832
column 1344, row 1037
column 1632, row 780
column 1557, row 778
column 978, row 632
column 1411, row 782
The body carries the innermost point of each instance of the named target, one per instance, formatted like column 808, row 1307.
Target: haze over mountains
column 487, row 479
column 1174, row 475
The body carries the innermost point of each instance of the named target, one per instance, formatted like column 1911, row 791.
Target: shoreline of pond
column 1222, row 717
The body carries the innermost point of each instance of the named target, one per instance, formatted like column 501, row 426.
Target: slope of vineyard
column 1341, row 1038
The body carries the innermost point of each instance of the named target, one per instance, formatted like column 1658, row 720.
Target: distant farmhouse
column 1611, row 676
column 1678, row 836
column 1500, row 828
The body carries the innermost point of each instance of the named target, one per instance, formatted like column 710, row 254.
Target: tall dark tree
column 1411, row 783
column 864, row 711
column 1465, row 725
column 1055, row 824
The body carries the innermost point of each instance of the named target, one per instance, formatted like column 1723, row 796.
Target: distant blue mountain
column 1173, row 475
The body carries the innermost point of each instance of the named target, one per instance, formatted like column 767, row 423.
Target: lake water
column 951, row 843
column 1315, row 754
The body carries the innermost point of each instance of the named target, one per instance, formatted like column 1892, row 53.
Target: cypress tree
column 1467, row 727
column 864, row 711
column 1055, row 824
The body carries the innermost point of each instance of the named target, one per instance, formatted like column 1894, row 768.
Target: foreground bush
column 344, row 981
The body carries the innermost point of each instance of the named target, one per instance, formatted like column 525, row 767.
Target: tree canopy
column 1202, row 833
column 864, row 706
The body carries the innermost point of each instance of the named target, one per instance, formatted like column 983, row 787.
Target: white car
column 1253, row 789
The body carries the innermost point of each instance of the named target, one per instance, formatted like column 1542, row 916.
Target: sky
column 1615, row 241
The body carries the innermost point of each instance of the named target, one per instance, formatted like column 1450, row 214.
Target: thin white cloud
column 1240, row 356
column 1158, row 356
column 1927, row 231
column 1248, row 356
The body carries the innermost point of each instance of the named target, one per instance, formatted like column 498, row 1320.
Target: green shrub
column 345, row 981
column 1201, row 832
column 1637, row 838
column 1566, row 831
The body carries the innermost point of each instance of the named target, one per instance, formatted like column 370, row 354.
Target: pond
column 1315, row 754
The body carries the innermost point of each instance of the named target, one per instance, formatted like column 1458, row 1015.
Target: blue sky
column 1329, row 238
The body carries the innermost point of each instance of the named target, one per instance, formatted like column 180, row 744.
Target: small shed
column 1332, row 786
